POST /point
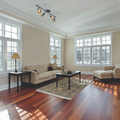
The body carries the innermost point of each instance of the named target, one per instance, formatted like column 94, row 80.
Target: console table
column 17, row 74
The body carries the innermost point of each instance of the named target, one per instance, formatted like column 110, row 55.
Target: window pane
column 14, row 36
column 79, row 56
column 96, row 41
column 87, row 42
column 106, row 40
column 79, row 43
column 106, row 55
column 8, row 34
column 1, row 56
column 87, row 58
column 51, row 41
column 7, row 28
column 12, row 47
column 96, row 55
column 14, row 30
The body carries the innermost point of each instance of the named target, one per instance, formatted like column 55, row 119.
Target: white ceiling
column 72, row 15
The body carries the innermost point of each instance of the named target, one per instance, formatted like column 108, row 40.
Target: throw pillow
column 50, row 68
column 53, row 65
column 36, row 72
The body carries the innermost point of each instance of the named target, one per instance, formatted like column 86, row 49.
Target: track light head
column 54, row 20
column 52, row 17
column 42, row 14
column 39, row 10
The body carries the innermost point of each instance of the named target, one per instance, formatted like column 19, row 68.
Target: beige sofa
column 44, row 74
column 108, row 72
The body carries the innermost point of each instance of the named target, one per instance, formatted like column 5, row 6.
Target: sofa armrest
column 60, row 68
column 109, row 68
column 34, row 77
column 116, row 73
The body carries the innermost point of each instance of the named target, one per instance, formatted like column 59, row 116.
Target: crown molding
column 112, row 28
column 27, row 19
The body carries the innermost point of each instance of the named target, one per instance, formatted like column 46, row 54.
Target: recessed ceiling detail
column 73, row 16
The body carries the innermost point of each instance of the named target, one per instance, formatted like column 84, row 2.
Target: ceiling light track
column 52, row 17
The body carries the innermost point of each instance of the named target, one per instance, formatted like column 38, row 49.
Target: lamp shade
column 15, row 56
column 55, row 57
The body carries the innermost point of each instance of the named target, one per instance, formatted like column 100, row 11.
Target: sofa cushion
column 55, row 71
column 45, row 67
column 44, row 75
column 53, row 65
column 30, row 68
column 117, row 65
column 103, row 73
column 39, row 68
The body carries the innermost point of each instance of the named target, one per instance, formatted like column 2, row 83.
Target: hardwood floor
column 97, row 101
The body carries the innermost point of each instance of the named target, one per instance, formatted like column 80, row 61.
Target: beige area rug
column 62, row 90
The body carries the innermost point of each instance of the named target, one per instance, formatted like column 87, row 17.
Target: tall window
column 93, row 50
column 9, row 44
column 55, row 49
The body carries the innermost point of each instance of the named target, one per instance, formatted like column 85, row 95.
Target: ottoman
column 103, row 74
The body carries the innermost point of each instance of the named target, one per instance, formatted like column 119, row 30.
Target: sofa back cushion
column 117, row 65
column 30, row 68
column 39, row 68
column 53, row 65
column 45, row 67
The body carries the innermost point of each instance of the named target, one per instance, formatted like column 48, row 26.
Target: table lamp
column 15, row 56
column 55, row 57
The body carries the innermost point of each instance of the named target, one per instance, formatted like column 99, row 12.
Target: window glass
column 55, row 48
column 87, row 42
column 106, row 40
column 12, row 47
column 79, row 55
column 106, row 55
column 87, row 56
column 11, row 32
column 96, row 55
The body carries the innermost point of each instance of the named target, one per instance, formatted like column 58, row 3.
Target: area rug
column 62, row 90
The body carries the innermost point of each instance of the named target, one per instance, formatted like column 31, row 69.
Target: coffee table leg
column 69, row 83
column 57, row 81
column 79, row 77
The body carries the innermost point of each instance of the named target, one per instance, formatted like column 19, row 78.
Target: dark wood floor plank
column 97, row 101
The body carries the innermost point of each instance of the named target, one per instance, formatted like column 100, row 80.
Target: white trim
column 5, row 87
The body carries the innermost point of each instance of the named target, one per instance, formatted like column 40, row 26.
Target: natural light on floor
column 23, row 114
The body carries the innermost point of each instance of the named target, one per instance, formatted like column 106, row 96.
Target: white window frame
column 54, row 37
column 5, row 39
column 91, row 37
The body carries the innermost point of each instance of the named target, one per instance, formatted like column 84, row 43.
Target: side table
column 17, row 74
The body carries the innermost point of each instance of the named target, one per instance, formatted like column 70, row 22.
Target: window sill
column 99, row 66
column 3, row 74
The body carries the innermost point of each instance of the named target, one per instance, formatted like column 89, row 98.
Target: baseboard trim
column 86, row 72
column 12, row 85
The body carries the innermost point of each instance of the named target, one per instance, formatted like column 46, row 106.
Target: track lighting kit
column 52, row 17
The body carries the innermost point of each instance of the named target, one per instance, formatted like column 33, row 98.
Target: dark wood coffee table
column 64, row 74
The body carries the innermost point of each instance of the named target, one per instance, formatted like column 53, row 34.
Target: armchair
column 115, row 69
